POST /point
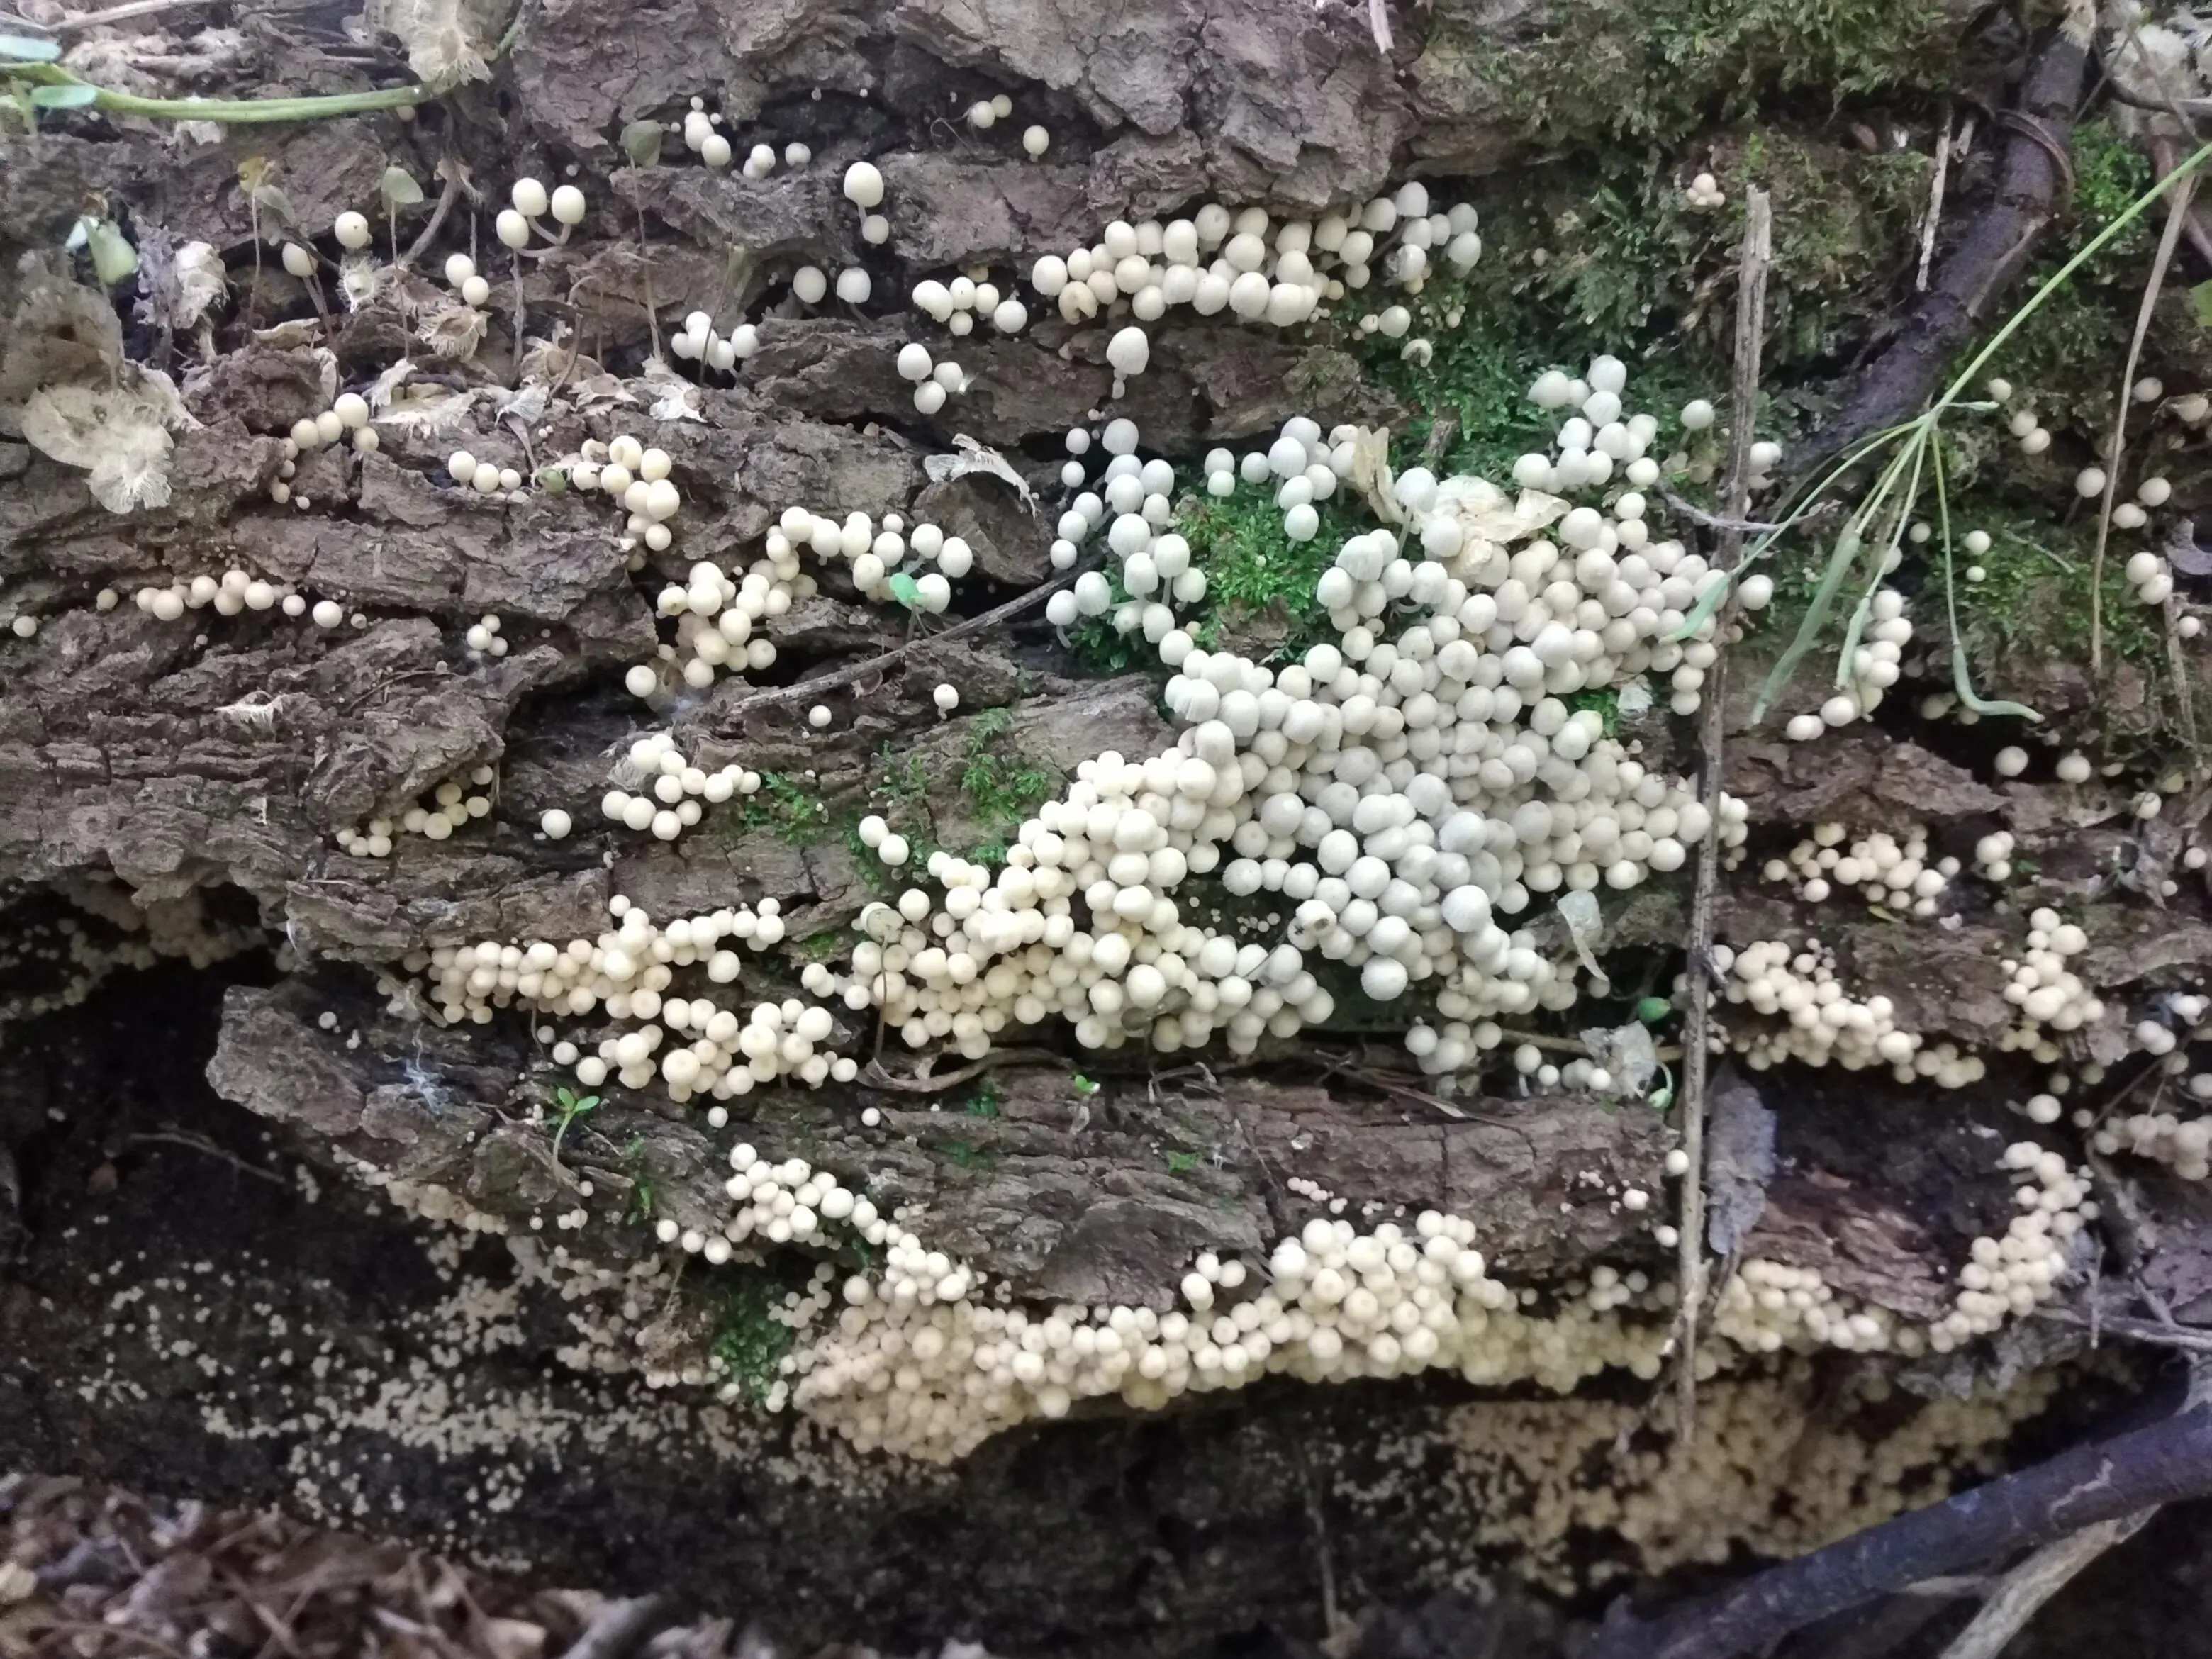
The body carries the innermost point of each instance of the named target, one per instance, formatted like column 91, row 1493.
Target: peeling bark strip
column 2168, row 1462
column 1992, row 250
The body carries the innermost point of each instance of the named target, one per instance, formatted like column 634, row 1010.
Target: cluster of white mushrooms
column 453, row 804
column 920, row 1361
column 657, row 789
column 1873, row 668
column 2051, row 999
column 1244, row 263
column 1439, row 766
column 1884, row 873
column 1824, row 1025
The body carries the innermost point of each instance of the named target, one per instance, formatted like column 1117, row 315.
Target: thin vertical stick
column 1934, row 203
column 2177, row 216
column 1750, row 330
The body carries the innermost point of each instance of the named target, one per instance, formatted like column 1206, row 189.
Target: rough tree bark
column 199, row 1295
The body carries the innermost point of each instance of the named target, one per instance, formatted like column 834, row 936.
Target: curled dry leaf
column 121, row 433
column 973, row 457
column 447, row 41
column 454, row 331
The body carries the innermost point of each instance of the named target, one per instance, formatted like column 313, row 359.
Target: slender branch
column 93, row 19
column 860, row 671
column 2024, row 1591
column 2177, row 216
column 1750, row 334
column 2170, row 1462
column 1935, row 218
column 2148, row 1331
column 446, row 198
column 620, row 1629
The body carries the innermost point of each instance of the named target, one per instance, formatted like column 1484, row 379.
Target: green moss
column 984, row 1102
column 2033, row 605
column 1002, row 788
column 2065, row 361
column 1605, row 254
column 1660, row 71
column 784, row 807
column 750, row 1341
column 963, row 1155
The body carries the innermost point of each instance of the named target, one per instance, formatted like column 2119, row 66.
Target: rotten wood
column 1992, row 248
column 2167, row 1462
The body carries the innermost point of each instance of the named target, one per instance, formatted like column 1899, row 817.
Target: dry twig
column 2021, row 1592
column 860, row 671
column 1935, row 218
column 2177, row 216
column 1750, row 332
column 2167, row 1461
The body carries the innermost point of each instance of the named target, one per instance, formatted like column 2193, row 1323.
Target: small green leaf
column 398, row 188
column 1652, row 1009
column 24, row 49
column 906, row 590
column 2200, row 297
column 113, row 259
column 76, row 95
column 640, row 142
column 552, row 480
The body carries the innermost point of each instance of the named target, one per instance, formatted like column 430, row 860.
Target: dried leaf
column 63, row 333
column 2181, row 549
column 675, row 398
column 1370, row 473
column 1739, row 1163
column 975, row 458
column 432, row 412
column 507, row 1638
column 447, row 41
column 382, row 388
column 1628, row 1052
column 296, row 331
column 1585, row 928
column 119, row 435
column 201, row 282
column 454, row 331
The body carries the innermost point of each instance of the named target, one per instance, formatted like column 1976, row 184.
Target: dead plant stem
column 1692, row 1268
column 2177, row 216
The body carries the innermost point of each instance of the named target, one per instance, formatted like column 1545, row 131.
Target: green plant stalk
column 1855, row 630
column 1709, row 601
column 235, row 112
column 1918, row 435
column 1962, row 680
column 2058, row 279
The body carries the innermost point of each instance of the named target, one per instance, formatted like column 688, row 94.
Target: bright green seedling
column 1652, row 1009
column 567, row 1107
column 1083, row 1085
column 113, row 259
column 906, row 590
